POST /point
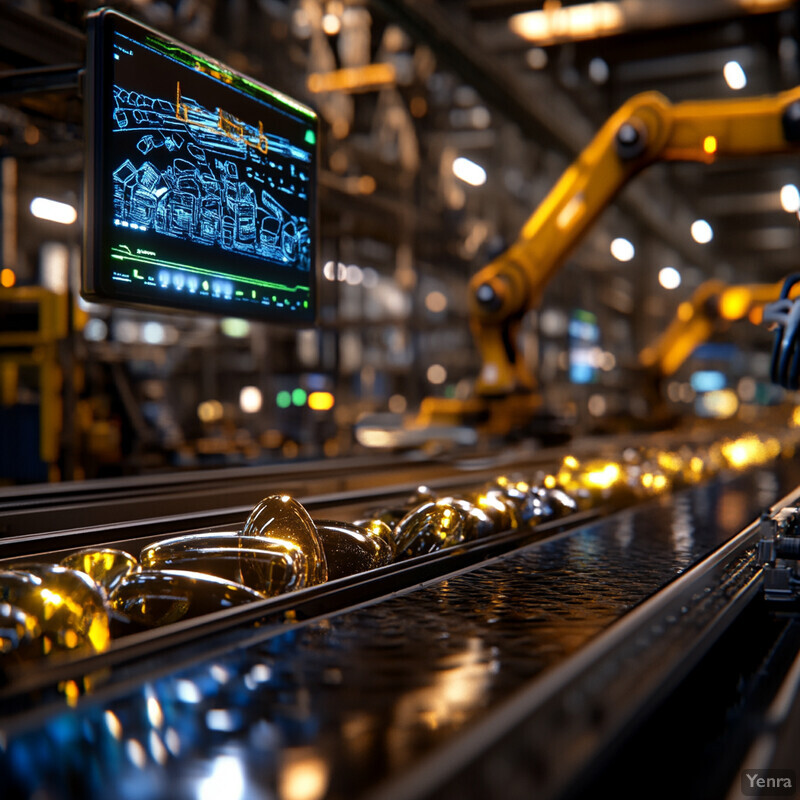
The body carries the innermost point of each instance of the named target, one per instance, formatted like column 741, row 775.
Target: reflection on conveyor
column 100, row 594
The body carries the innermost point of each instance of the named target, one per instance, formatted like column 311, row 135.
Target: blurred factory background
column 445, row 123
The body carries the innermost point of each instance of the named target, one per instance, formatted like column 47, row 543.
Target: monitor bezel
column 98, row 86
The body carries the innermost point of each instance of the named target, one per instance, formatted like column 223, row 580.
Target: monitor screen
column 201, row 182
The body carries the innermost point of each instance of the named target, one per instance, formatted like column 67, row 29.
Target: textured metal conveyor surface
column 515, row 671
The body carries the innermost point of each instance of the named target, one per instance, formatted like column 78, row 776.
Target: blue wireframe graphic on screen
column 199, row 194
column 205, row 185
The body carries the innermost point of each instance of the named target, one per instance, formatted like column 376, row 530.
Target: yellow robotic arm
column 712, row 307
column 647, row 128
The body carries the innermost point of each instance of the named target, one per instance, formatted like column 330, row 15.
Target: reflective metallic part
column 70, row 608
column 378, row 528
column 522, row 496
column 477, row 522
column 279, row 516
column 421, row 495
column 160, row 597
column 501, row 511
column 557, row 501
column 20, row 633
column 389, row 516
column 105, row 566
column 268, row 565
column 428, row 528
column 350, row 549
column 595, row 480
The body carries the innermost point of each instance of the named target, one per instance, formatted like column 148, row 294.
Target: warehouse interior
column 579, row 346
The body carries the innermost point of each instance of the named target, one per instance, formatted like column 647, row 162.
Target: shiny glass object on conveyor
column 282, row 517
column 105, row 566
column 350, row 549
column 62, row 610
column 153, row 598
column 269, row 565
column 428, row 528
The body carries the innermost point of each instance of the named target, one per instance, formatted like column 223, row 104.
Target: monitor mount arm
column 646, row 129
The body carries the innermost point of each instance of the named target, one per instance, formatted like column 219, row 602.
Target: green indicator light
column 311, row 137
column 305, row 303
column 299, row 397
column 240, row 294
column 253, row 294
column 205, row 286
column 283, row 400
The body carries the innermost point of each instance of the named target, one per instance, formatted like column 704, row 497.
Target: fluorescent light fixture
column 52, row 210
column 568, row 23
column 734, row 75
column 790, row 198
column 469, row 172
column 702, row 232
column 622, row 249
column 669, row 277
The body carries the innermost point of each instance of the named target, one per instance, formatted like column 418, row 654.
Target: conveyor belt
column 39, row 509
column 32, row 510
column 510, row 673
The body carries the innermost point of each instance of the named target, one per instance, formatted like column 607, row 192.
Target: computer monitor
column 201, row 182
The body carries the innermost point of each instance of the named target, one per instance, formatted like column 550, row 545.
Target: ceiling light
column 53, row 211
column 331, row 24
column 622, row 249
column 669, row 277
column 250, row 399
column 790, row 198
column 702, row 232
column 569, row 23
column 469, row 172
column 734, row 75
